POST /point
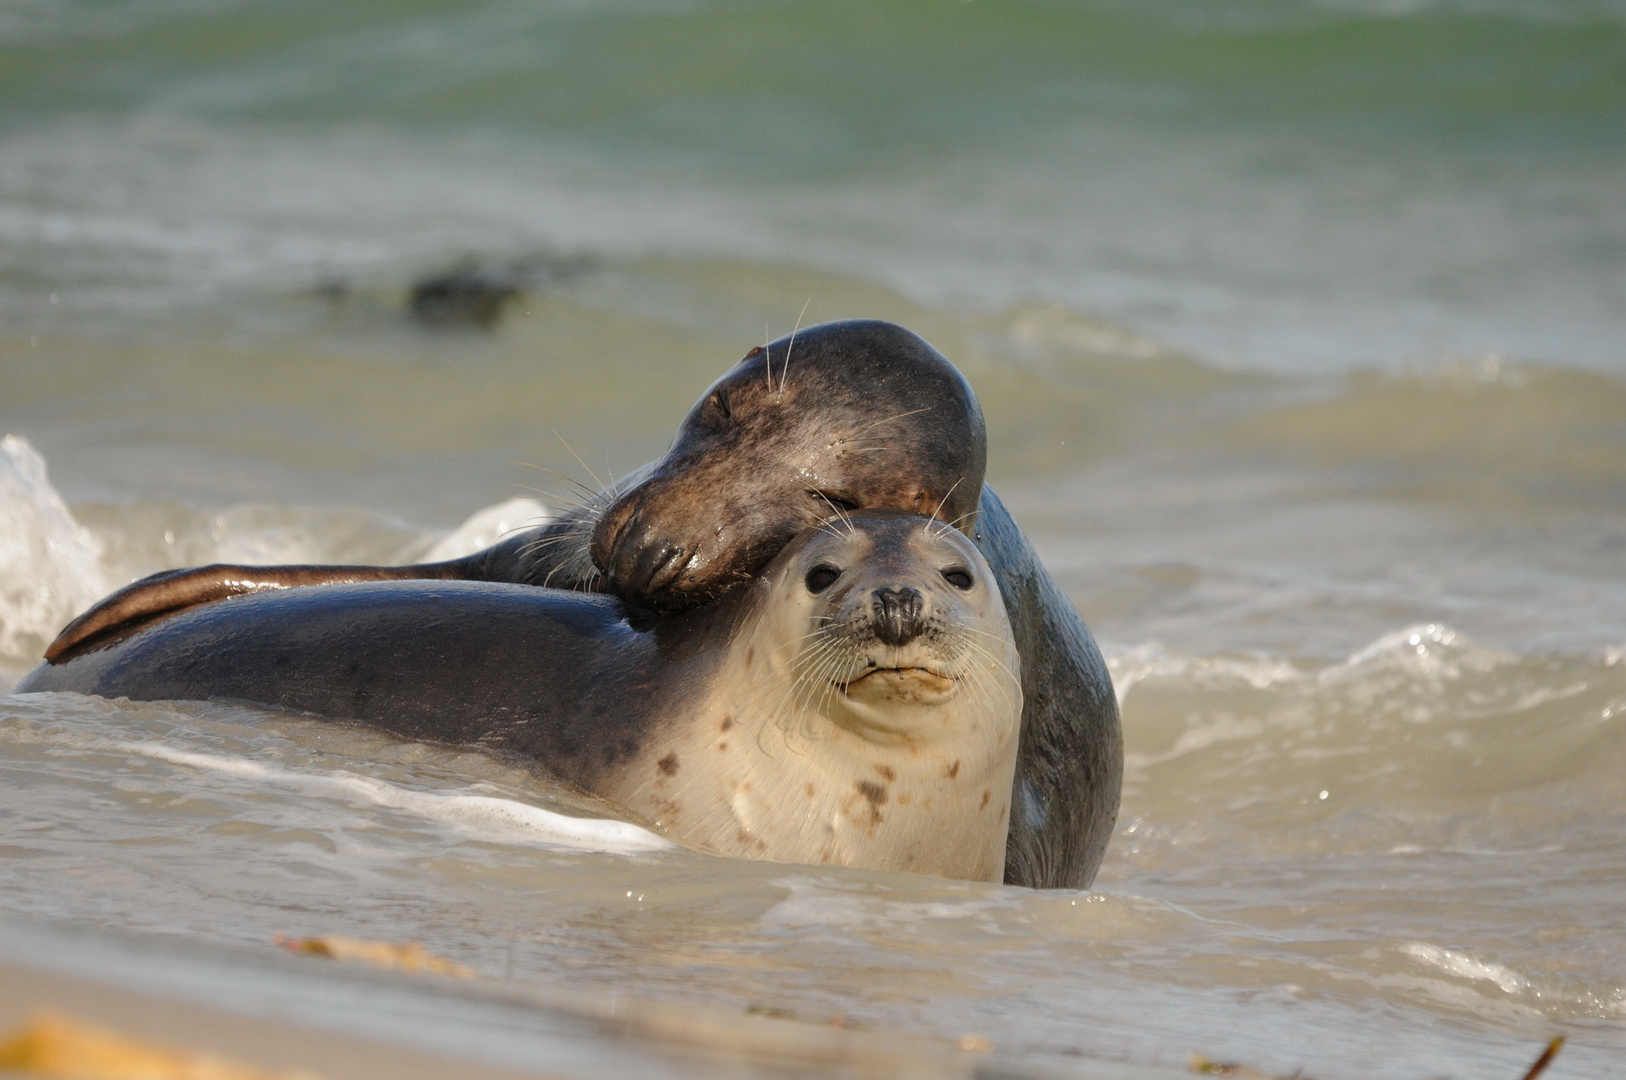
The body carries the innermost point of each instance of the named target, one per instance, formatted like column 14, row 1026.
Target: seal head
column 867, row 713
column 859, row 415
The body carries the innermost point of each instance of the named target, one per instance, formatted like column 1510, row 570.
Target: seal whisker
column 978, row 632
column 939, row 507
column 563, row 535
column 813, row 635
column 784, row 372
column 991, row 658
column 579, row 460
column 889, row 419
column 824, row 526
column 831, row 656
column 567, row 531
column 534, row 547
column 955, row 524
column 586, row 491
column 527, row 527
column 552, row 496
column 824, row 654
column 767, row 354
column 827, row 686
column 809, row 687
column 823, row 658
column 837, row 511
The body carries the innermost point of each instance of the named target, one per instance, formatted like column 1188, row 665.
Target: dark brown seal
column 849, row 415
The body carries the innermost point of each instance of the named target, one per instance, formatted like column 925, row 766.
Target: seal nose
column 897, row 614
column 654, row 566
column 611, row 530
column 635, row 559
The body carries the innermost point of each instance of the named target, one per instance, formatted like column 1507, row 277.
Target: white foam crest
column 243, row 534
column 1053, row 329
column 1433, row 651
column 481, row 816
column 1224, row 729
column 158, row 537
column 50, row 565
column 1152, row 661
column 1464, row 966
column 486, row 527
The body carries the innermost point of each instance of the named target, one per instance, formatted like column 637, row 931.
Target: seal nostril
column 897, row 614
column 656, row 565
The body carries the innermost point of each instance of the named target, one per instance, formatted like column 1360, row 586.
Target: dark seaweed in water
column 470, row 295
column 463, row 296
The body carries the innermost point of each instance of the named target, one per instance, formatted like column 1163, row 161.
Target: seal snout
column 635, row 557
column 655, row 566
column 897, row 611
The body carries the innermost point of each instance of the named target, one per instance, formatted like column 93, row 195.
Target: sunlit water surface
column 1298, row 334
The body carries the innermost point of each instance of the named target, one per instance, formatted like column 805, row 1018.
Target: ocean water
column 1300, row 328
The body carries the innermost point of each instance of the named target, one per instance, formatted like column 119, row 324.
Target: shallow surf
column 1297, row 327
column 1372, row 711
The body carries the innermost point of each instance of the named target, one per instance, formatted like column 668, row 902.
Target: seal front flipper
column 554, row 554
column 167, row 594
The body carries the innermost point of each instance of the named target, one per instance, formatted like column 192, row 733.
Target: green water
column 1289, row 185
column 1298, row 328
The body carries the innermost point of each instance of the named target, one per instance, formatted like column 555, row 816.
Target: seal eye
column 821, row 577
column 839, row 503
column 958, row 576
column 719, row 404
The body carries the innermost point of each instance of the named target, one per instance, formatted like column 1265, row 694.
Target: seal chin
column 902, row 686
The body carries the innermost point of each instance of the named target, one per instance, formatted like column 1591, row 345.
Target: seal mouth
column 901, row 685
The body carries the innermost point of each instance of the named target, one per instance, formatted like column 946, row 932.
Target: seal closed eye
column 784, row 722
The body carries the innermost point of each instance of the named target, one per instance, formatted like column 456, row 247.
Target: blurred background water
column 1300, row 326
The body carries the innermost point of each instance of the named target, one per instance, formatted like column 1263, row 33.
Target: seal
column 857, row 704
column 857, row 415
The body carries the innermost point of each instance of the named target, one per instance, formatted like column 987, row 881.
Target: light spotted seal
column 839, row 417
column 858, row 704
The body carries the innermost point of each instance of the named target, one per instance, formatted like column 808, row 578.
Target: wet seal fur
column 858, row 704
column 860, row 415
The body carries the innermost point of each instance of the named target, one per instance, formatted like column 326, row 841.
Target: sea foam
column 480, row 817
column 50, row 565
